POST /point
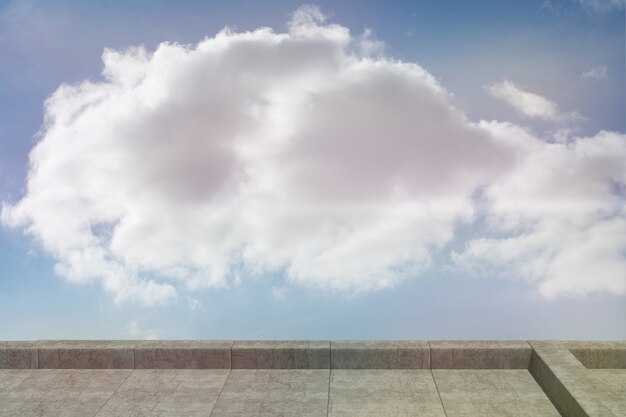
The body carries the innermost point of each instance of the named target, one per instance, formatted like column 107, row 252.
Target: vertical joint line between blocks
column 430, row 357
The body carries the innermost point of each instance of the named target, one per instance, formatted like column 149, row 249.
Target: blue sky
column 502, row 226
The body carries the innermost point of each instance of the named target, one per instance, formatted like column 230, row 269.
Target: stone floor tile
column 612, row 380
column 47, row 383
column 53, row 392
column 130, row 414
column 150, row 392
column 489, row 393
column 260, row 392
column 51, row 407
column 10, row 378
column 274, row 413
column 383, row 393
column 284, row 354
column 175, row 379
column 487, row 383
column 151, row 414
column 496, row 407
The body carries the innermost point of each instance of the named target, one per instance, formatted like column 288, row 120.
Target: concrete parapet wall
column 207, row 354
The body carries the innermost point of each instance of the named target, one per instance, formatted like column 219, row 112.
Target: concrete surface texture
column 316, row 378
column 578, row 390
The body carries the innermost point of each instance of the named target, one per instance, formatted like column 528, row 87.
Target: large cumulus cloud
column 306, row 153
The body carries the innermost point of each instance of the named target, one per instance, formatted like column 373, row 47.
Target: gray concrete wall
column 207, row 354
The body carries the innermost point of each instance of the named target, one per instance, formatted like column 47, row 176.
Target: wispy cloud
column 554, row 220
column 602, row 6
column 529, row 104
column 279, row 293
column 195, row 304
column 557, row 7
column 135, row 331
column 600, row 72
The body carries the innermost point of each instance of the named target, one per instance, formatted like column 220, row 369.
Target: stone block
column 281, row 355
column 18, row 355
column 599, row 354
column 391, row 354
column 172, row 354
column 86, row 354
column 480, row 354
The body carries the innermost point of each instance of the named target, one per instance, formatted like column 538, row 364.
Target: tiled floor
column 265, row 393
column 609, row 385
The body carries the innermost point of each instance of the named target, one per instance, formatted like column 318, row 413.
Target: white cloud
column 591, row 6
column 557, row 218
column 302, row 153
column 135, row 331
column 279, row 293
column 529, row 104
column 599, row 73
column 602, row 6
column 195, row 304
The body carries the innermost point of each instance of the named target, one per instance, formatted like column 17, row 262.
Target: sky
column 329, row 170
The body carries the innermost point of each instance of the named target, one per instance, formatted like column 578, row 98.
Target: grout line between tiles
column 430, row 349
column 23, row 380
column 438, row 393
column 330, row 371
column 114, row 392
column 221, row 390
